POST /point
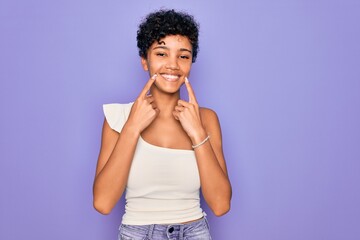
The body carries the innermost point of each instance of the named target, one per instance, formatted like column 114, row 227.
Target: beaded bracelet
column 202, row 142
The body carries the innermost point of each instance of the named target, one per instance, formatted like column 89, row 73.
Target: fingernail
column 186, row 79
column 154, row 76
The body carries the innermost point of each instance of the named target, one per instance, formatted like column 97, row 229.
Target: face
column 171, row 60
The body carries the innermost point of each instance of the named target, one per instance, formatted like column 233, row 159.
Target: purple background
column 283, row 76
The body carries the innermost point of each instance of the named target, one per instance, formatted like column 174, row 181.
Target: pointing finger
column 192, row 98
column 148, row 86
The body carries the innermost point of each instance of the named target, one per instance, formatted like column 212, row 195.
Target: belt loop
column 150, row 231
column 181, row 232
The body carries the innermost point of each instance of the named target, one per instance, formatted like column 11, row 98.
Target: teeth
column 168, row 76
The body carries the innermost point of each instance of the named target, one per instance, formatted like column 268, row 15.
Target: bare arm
column 117, row 151
column 215, row 184
column 112, row 171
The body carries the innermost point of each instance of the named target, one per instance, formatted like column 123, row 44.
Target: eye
column 184, row 57
column 160, row 54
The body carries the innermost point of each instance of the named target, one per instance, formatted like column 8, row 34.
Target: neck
column 165, row 102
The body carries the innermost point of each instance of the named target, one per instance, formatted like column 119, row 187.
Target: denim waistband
column 168, row 231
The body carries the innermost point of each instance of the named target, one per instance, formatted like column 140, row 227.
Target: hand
column 188, row 114
column 144, row 109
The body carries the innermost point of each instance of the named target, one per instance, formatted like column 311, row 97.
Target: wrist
column 201, row 143
column 198, row 137
column 131, row 130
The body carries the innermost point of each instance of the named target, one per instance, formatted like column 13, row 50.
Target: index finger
column 192, row 98
column 148, row 86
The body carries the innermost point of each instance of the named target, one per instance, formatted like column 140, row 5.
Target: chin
column 169, row 90
column 168, row 87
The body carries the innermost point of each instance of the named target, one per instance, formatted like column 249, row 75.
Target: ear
column 144, row 64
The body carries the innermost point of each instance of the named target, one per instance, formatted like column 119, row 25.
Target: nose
column 172, row 63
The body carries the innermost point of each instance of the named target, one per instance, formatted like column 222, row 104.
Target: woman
column 160, row 148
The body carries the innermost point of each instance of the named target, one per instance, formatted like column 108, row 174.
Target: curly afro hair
column 162, row 23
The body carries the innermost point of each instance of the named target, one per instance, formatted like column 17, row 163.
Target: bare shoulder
column 209, row 119
column 211, row 125
column 208, row 114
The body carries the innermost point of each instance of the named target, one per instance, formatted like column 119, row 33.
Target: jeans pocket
column 129, row 232
column 124, row 237
column 199, row 231
column 203, row 235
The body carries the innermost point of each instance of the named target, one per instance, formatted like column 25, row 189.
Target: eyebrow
column 185, row 49
column 166, row 48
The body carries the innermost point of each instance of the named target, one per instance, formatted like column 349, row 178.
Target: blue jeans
column 197, row 230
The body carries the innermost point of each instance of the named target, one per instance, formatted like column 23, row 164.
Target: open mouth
column 170, row 77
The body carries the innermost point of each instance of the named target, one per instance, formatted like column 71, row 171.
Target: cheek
column 154, row 66
column 186, row 68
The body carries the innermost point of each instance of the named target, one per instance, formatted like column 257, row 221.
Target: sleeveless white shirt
column 163, row 185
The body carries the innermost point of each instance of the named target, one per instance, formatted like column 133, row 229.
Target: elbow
column 221, row 201
column 221, row 209
column 221, row 205
column 101, row 207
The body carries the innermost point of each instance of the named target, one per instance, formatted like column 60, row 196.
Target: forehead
column 173, row 41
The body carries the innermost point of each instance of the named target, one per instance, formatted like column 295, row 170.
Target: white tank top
column 163, row 185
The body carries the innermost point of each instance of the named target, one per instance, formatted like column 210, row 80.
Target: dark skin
column 161, row 118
